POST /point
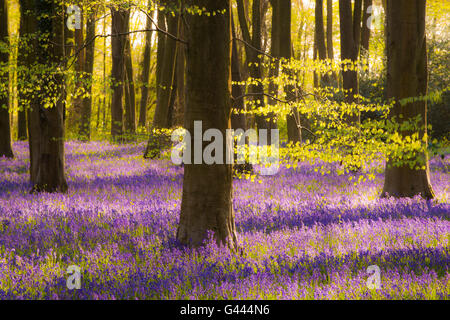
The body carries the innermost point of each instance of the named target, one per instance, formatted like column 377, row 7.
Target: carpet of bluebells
column 303, row 235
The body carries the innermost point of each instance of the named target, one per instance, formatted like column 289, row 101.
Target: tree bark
column 180, row 79
column 25, row 60
column 120, row 24
column 407, row 76
column 145, row 72
column 320, row 37
column 167, row 75
column 253, row 58
column 365, row 33
column 294, row 133
column 85, row 121
column 5, row 128
column 74, row 120
column 330, row 49
column 48, row 121
column 350, row 27
column 207, row 189
column 130, row 94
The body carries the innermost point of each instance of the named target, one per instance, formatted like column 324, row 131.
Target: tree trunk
column 85, row 121
column 294, row 133
column 330, row 49
column 145, row 72
column 180, row 76
column 253, row 57
column 48, row 121
column 5, row 128
column 167, row 75
column 207, row 189
column 25, row 60
column 74, row 120
column 407, row 77
column 365, row 33
column 320, row 38
column 120, row 24
column 22, row 125
column 350, row 25
column 130, row 94
column 164, row 87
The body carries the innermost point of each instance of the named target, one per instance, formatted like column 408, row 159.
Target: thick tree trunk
column 48, row 121
column 207, row 189
column 120, row 24
column 407, row 77
column 85, row 121
column 145, row 72
column 5, row 128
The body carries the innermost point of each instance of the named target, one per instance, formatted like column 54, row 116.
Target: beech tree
column 5, row 129
column 145, row 71
column 207, row 189
column 120, row 24
column 407, row 77
column 350, row 27
column 46, row 116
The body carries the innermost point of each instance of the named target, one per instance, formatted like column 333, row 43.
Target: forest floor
column 303, row 235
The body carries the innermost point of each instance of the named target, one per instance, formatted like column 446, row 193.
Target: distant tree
column 365, row 33
column 253, row 49
column 145, row 71
column 165, row 81
column 86, row 111
column 350, row 25
column 120, row 18
column 407, row 77
column 5, row 128
column 130, row 93
column 207, row 189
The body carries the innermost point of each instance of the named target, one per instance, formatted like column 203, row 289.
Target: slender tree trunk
column 319, row 30
column 130, row 96
column 167, row 75
column 365, row 33
column 48, row 121
column 253, row 58
column 120, row 24
column 85, row 123
column 293, row 130
column 350, row 25
column 25, row 60
column 165, row 87
column 330, row 49
column 180, row 76
column 75, row 116
column 407, row 77
column 237, row 119
column 145, row 72
column 207, row 189
column 5, row 128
